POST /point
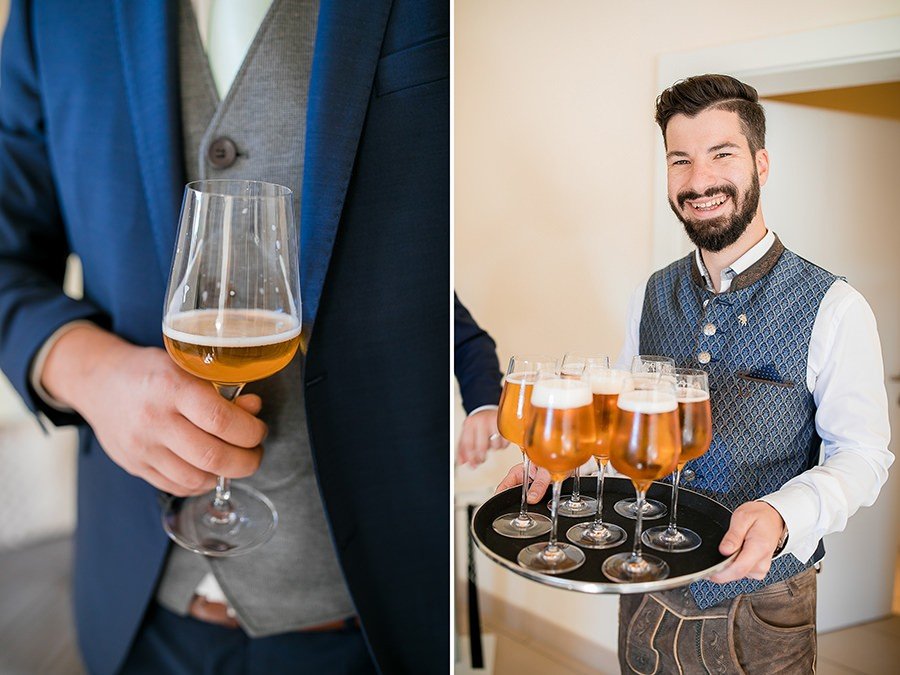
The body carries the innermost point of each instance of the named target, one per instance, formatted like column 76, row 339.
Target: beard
column 718, row 233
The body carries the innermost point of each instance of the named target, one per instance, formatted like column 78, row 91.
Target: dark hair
column 721, row 92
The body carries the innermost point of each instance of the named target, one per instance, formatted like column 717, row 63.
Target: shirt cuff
column 483, row 407
column 793, row 506
column 40, row 359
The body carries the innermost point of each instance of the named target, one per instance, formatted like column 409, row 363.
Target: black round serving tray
column 703, row 515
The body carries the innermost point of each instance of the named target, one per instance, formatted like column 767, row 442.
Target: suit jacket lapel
column 148, row 42
column 348, row 44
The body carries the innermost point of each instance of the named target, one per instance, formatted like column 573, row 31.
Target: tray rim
column 596, row 587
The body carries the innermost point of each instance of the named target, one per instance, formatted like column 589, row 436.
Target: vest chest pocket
column 767, row 411
column 422, row 64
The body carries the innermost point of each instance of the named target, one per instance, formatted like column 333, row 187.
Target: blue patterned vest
column 753, row 341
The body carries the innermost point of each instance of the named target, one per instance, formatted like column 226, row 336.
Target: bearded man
column 800, row 416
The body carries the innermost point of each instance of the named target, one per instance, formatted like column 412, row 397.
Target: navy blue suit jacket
column 91, row 162
column 475, row 361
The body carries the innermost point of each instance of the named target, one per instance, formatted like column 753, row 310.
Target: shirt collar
column 752, row 256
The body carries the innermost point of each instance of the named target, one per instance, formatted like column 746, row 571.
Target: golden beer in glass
column 559, row 437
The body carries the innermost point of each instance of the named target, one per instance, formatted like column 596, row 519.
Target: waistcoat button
column 703, row 357
column 709, row 329
column 222, row 152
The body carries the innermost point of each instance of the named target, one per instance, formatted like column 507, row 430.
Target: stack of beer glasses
column 645, row 447
column 695, row 415
column 515, row 402
column 559, row 437
column 606, row 383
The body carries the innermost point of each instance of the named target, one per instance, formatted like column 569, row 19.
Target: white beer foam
column 691, row 395
column 521, row 378
column 647, row 401
column 610, row 382
column 561, row 394
column 287, row 328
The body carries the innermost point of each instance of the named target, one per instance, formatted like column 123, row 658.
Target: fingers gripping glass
column 647, row 366
column 232, row 316
column 515, row 400
column 695, row 416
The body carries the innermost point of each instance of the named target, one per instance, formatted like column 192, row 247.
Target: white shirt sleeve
column 631, row 347
column 845, row 375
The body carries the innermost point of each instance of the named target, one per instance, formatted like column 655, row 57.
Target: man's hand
column 478, row 435
column 153, row 419
column 540, row 481
column 755, row 529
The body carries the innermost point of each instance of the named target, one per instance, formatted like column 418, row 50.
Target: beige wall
column 555, row 158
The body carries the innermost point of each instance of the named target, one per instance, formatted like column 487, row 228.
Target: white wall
column 554, row 185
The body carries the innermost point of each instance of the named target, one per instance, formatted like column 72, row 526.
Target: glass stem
column 223, row 485
column 576, row 487
column 673, row 528
column 641, row 498
column 523, row 506
column 554, row 508
column 600, row 477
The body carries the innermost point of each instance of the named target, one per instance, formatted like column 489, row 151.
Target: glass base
column 585, row 506
column 680, row 540
column 586, row 535
column 628, row 568
column 652, row 508
column 534, row 525
column 195, row 524
column 538, row 558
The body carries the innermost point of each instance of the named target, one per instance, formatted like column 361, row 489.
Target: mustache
column 729, row 190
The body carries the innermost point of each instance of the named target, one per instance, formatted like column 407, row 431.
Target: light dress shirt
column 227, row 29
column 845, row 375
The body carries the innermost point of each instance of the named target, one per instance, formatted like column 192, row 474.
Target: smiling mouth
column 708, row 204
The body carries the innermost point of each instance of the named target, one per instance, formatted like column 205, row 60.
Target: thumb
column 249, row 402
column 736, row 534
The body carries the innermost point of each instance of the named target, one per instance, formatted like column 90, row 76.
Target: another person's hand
column 478, row 435
column 540, row 481
column 152, row 418
column 755, row 529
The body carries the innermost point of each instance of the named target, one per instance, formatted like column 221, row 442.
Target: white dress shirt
column 845, row 375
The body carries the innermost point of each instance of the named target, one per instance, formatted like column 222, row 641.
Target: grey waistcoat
column 294, row 580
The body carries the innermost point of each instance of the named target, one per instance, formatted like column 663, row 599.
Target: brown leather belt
column 222, row 615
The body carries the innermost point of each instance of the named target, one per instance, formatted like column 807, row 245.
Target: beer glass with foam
column 559, row 436
column 515, row 402
column 647, row 366
column 695, row 415
column 645, row 446
column 232, row 316
column 572, row 366
column 606, row 384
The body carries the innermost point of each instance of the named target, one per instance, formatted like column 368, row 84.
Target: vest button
column 709, row 329
column 703, row 357
column 221, row 153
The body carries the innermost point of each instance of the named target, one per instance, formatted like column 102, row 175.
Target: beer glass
column 515, row 401
column 232, row 316
column 572, row 366
column 645, row 446
column 651, row 366
column 606, row 383
column 695, row 416
column 559, row 436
